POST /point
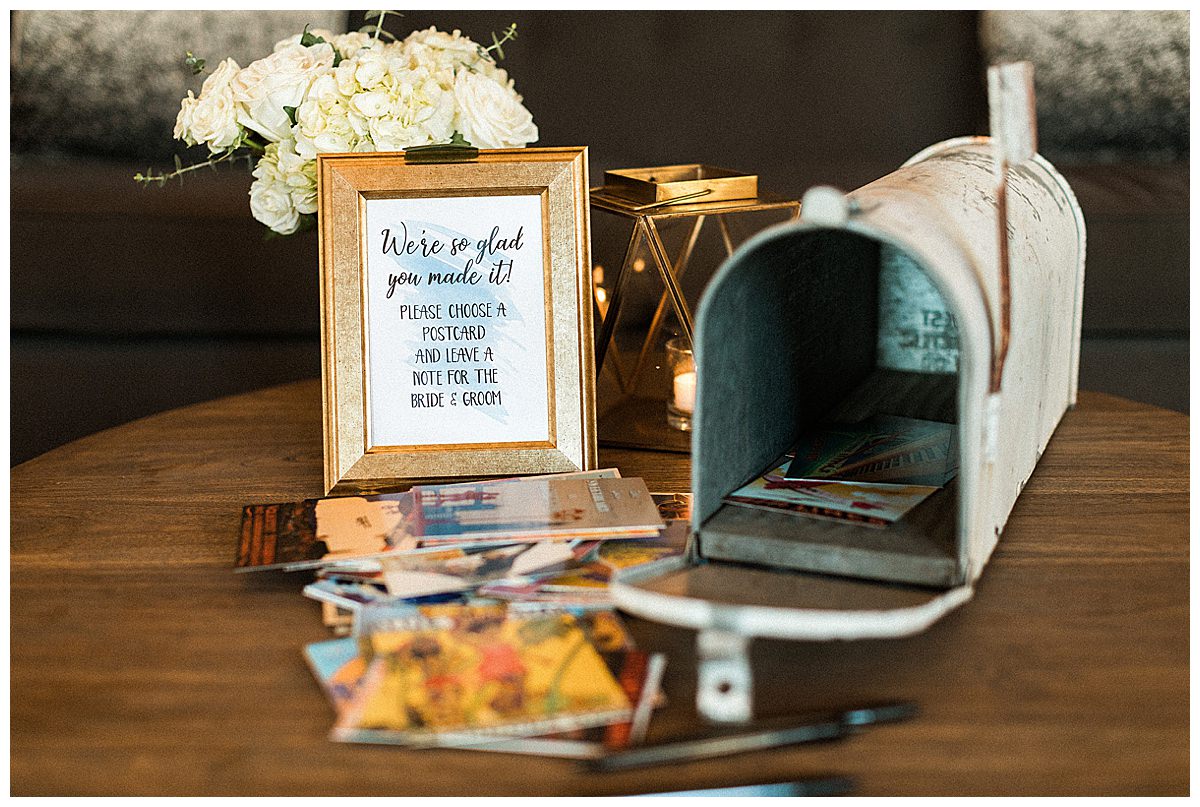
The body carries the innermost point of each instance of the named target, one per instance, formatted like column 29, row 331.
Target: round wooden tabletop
column 140, row 664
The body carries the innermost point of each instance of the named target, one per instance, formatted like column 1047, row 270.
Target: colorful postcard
column 608, row 557
column 479, row 671
column 585, row 581
column 534, row 509
column 871, row 503
column 673, row 505
column 353, row 597
column 414, row 576
column 342, row 529
column 338, row 668
column 884, row 448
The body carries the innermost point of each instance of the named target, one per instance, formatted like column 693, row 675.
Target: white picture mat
column 441, row 405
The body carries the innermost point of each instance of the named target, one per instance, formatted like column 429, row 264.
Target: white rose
column 221, row 78
column 215, row 121
column 436, row 49
column 211, row 118
column 491, row 115
column 183, row 121
column 271, row 203
column 263, row 88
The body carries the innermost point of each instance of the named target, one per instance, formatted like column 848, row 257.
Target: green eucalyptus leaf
column 194, row 64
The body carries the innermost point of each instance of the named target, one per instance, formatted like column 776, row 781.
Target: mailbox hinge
column 725, row 685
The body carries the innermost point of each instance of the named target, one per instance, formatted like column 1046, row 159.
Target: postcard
column 340, row 529
column 673, row 505
column 883, row 448
column 353, row 596
column 476, row 671
column 422, row 575
column 533, row 509
column 585, row 580
column 607, row 557
column 338, row 668
column 873, row 503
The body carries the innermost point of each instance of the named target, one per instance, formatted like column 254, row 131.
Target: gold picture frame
column 415, row 364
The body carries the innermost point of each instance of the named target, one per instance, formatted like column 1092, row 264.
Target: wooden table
column 140, row 664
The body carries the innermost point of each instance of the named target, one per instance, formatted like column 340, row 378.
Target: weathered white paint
column 940, row 208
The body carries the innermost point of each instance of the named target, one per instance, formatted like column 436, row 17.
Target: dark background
column 127, row 301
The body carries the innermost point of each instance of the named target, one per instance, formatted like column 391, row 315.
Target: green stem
column 178, row 173
column 254, row 145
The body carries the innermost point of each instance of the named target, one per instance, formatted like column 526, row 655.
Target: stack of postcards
column 477, row 614
column 872, row 472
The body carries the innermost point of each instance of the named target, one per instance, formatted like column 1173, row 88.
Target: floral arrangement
column 360, row 91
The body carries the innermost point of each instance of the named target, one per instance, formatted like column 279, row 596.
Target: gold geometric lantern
column 677, row 224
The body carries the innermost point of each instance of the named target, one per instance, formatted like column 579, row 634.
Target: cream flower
column 491, row 115
column 325, row 121
column 215, row 121
column 212, row 118
column 263, row 88
column 371, row 104
column 370, row 69
column 438, row 50
column 300, row 175
column 183, row 121
column 271, row 200
column 221, row 78
column 272, row 205
column 350, row 44
column 382, row 96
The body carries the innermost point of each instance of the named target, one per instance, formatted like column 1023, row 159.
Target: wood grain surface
column 140, row 664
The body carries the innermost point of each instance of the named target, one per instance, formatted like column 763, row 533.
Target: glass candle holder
column 682, row 399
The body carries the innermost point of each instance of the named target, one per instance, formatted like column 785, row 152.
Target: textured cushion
column 109, row 82
column 1111, row 85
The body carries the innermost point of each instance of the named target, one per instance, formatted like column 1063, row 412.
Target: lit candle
column 685, row 391
column 602, row 301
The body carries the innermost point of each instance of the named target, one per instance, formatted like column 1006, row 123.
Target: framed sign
column 456, row 316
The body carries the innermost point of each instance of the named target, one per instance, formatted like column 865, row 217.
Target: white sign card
column 456, row 321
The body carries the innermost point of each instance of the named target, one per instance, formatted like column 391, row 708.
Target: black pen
column 699, row 748
column 812, row 786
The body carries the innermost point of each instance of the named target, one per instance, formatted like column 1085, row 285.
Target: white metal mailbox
column 897, row 298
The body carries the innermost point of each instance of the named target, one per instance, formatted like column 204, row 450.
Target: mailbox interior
column 789, row 338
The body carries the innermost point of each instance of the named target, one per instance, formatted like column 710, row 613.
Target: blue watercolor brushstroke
column 499, row 329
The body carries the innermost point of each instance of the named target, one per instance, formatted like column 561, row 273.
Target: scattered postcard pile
column 477, row 615
column 872, row 472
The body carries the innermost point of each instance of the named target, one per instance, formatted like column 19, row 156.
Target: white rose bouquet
column 361, row 91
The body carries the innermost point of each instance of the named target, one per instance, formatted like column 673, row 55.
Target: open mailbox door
column 950, row 291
